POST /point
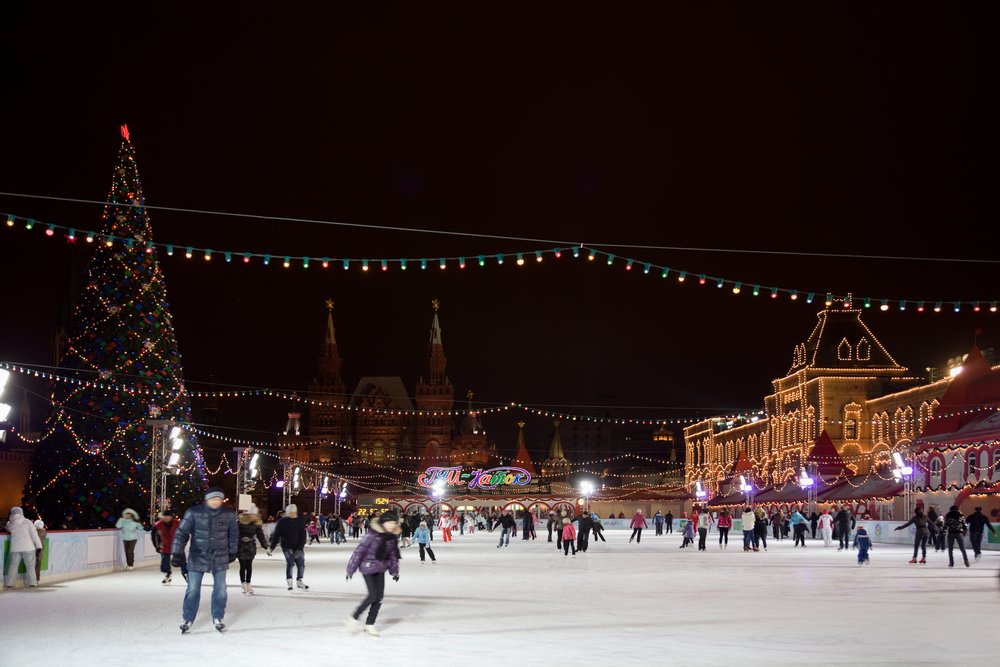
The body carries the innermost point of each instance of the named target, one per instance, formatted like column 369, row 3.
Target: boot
column 289, row 582
column 353, row 625
column 301, row 585
column 923, row 561
column 913, row 560
column 370, row 631
column 244, row 585
column 166, row 578
column 249, row 589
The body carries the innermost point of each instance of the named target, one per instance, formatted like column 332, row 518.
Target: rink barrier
column 72, row 554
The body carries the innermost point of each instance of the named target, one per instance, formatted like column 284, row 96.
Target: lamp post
column 809, row 484
column 321, row 491
column 341, row 496
column 904, row 472
column 437, row 490
column 587, row 489
column 165, row 456
column 5, row 408
column 747, row 490
column 290, row 484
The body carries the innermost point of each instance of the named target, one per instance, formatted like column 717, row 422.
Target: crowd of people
column 210, row 537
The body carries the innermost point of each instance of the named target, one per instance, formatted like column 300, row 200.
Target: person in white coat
column 826, row 528
column 24, row 544
column 749, row 525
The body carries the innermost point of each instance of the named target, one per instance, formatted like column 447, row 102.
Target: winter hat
column 565, row 519
column 292, row 509
column 166, row 513
column 954, row 508
column 214, row 492
column 16, row 510
column 389, row 516
column 252, row 509
column 39, row 524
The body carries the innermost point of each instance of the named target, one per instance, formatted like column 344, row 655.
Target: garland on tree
column 96, row 459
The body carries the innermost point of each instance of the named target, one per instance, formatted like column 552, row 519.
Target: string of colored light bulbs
column 567, row 416
column 499, row 258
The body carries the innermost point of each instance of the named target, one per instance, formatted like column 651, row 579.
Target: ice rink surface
column 618, row 604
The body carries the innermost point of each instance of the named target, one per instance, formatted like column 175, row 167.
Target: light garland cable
column 518, row 258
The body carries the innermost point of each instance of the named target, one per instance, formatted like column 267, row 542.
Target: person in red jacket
column 638, row 523
column 163, row 540
column 724, row 523
column 568, row 536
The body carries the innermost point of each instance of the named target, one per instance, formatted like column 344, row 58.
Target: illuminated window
column 844, row 351
column 850, row 429
column 863, row 351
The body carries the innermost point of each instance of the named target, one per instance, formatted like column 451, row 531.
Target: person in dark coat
column 215, row 540
column 813, row 522
column 977, row 524
column 922, row 526
column 508, row 524
column 584, row 527
column 843, row 521
column 954, row 524
column 290, row 531
column 551, row 523
column 598, row 528
column 669, row 522
column 250, row 526
column 527, row 525
column 937, row 535
column 429, row 520
column 377, row 554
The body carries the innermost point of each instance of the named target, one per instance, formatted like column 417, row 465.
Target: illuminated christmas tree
column 123, row 357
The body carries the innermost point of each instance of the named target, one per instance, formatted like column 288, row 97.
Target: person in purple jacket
column 377, row 554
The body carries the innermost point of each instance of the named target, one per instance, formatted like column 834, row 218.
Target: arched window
column 863, row 351
column 971, row 465
column 996, row 463
column 844, row 351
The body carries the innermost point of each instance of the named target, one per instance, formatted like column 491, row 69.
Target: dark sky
column 865, row 129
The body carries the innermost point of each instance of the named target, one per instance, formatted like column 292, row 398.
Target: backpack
column 955, row 524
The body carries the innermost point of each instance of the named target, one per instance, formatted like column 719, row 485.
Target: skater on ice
column 921, row 524
column 977, row 522
column 215, row 540
column 290, row 534
column 251, row 533
column 24, row 544
column 826, row 528
column 862, row 543
column 423, row 539
column 130, row 527
column 164, row 531
column 377, row 554
column 954, row 523
column 638, row 523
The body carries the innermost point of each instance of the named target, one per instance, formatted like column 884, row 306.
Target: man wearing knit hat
column 215, row 540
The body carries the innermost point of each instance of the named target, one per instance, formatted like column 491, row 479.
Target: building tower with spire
column 470, row 447
column 327, row 418
column 435, row 395
column 557, row 465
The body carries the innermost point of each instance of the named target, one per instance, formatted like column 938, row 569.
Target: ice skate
column 913, row 560
column 243, row 585
column 978, row 556
column 289, row 582
column 249, row 589
column 184, row 574
column 301, row 585
column 352, row 624
column 166, row 580
column 923, row 561
column 185, row 626
column 370, row 631
column 219, row 625
column 130, row 567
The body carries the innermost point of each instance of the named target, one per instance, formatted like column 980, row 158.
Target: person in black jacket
column 585, row 525
column 290, row 531
column 843, row 521
column 550, row 524
column 954, row 524
column 214, row 545
column 977, row 522
column 813, row 522
column 669, row 522
column 507, row 523
column 251, row 532
column 922, row 534
column 937, row 535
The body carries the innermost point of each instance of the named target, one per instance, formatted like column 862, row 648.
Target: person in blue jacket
column 422, row 537
column 862, row 543
column 215, row 542
column 798, row 523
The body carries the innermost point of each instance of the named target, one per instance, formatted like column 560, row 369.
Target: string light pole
column 807, row 483
column 4, row 407
column 903, row 471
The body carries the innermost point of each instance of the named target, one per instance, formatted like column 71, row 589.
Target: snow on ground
column 619, row 604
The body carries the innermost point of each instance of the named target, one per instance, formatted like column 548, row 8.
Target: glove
column 232, row 558
column 395, row 577
column 177, row 560
column 349, row 577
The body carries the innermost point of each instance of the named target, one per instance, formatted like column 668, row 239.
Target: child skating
column 862, row 543
column 377, row 554
column 422, row 537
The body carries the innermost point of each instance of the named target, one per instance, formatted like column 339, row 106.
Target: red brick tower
column 435, row 394
column 328, row 421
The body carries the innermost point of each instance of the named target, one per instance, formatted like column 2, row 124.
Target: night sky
column 862, row 130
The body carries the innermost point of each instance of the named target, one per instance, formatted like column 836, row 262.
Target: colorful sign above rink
column 477, row 479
